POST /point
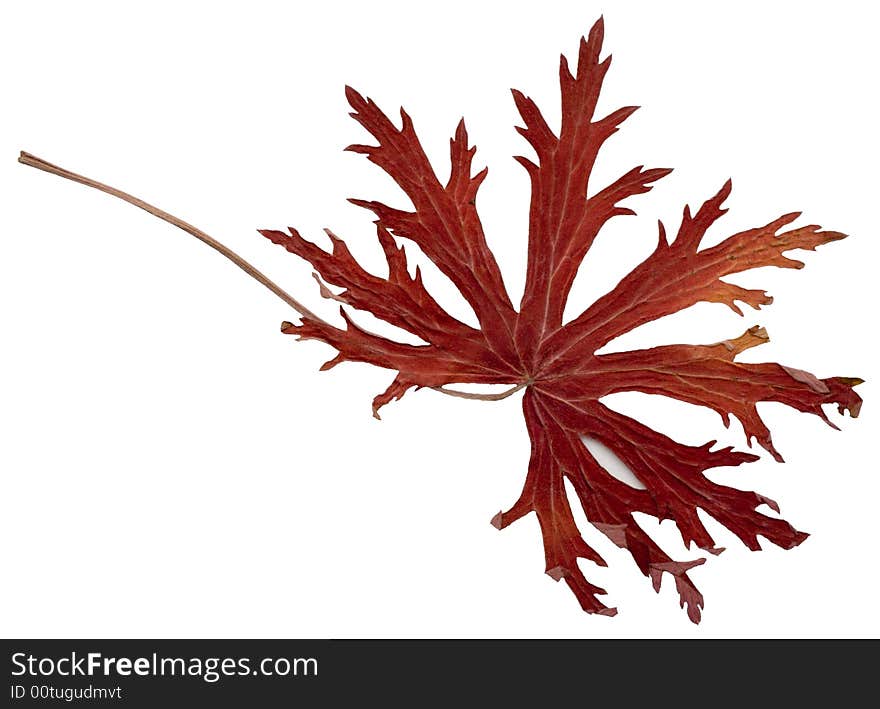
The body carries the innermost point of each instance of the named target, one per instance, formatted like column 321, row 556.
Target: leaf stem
column 483, row 397
column 30, row 160
column 256, row 274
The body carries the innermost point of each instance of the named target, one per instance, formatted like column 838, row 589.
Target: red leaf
column 557, row 364
column 565, row 377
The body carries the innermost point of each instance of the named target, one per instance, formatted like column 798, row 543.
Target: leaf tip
column 799, row 538
column 772, row 504
column 597, row 31
column 767, row 444
column 329, row 364
column 353, row 97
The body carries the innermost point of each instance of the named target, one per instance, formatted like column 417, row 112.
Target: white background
column 173, row 466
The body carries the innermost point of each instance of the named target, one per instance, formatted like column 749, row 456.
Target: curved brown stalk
column 40, row 164
column 483, row 397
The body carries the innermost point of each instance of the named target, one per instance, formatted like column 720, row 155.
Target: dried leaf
column 565, row 377
column 557, row 363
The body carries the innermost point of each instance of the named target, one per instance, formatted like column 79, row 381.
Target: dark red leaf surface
column 565, row 377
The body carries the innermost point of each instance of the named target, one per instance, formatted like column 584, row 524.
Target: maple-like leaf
column 556, row 363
